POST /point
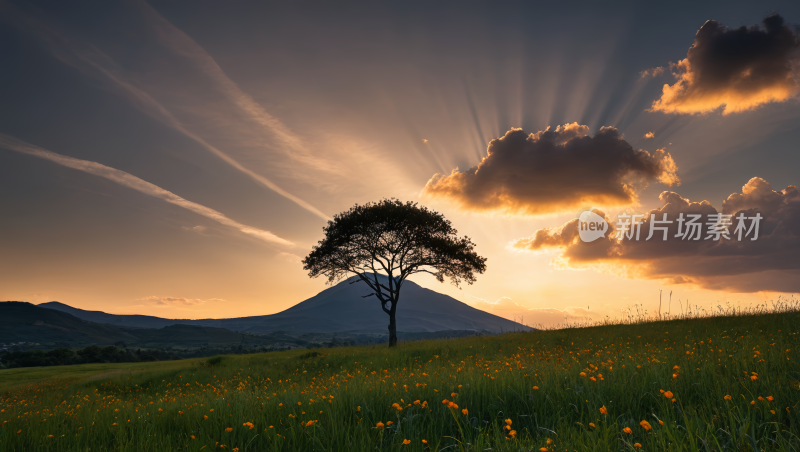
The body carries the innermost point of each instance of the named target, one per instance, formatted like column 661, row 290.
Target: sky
column 179, row 159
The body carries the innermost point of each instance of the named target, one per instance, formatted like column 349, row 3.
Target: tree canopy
column 395, row 239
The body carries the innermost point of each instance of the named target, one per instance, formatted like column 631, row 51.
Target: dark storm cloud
column 554, row 171
column 768, row 263
column 738, row 68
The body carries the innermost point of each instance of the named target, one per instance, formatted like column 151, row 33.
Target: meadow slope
column 711, row 384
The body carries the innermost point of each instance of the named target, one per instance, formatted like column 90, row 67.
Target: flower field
column 710, row 384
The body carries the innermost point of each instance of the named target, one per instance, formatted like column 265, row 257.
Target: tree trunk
column 392, row 329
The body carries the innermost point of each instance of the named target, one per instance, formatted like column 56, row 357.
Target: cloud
column 291, row 258
column 553, row 317
column 175, row 301
column 767, row 264
column 653, row 72
column 554, row 171
column 507, row 308
column 191, row 94
column 550, row 238
column 738, row 69
column 649, row 135
column 133, row 182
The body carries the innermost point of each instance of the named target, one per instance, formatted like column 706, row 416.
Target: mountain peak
column 340, row 308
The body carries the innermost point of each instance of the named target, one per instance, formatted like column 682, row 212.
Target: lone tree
column 397, row 239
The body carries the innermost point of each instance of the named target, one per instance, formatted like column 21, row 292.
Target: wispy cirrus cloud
column 553, row 171
column 734, row 69
column 176, row 301
column 135, row 183
column 191, row 94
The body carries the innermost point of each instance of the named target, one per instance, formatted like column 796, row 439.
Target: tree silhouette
column 398, row 240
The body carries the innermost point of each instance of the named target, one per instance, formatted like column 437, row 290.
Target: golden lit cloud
column 768, row 263
column 737, row 69
column 554, row 171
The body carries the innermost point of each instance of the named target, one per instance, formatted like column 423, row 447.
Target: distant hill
column 133, row 321
column 25, row 322
column 338, row 309
column 31, row 324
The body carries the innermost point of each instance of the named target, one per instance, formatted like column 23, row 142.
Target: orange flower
column 674, row 400
column 637, row 445
column 235, row 449
column 668, row 394
column 508, row 422
column 388, row 423
column 455, row 394
column 542, row 449
column 628, row 430
column 535, row 388
column 727, row 397
column 645, row 425
column 770, row 398
column 424, row 442
column 660, row 422
column 512, row 433
column 464, row 412
column 308, row 424
column 591, row 424
column 192, row 436
column 379, row 425
column 583, row 374
column 406, row 442
column 754, row 377
column 603, row 410
column 229, row 429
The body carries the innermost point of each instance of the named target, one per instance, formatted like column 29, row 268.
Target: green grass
column 14, row 378
column 160, row 406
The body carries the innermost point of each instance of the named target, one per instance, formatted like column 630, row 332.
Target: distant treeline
column 120, row 353
column 91, row 354
column 111, row 354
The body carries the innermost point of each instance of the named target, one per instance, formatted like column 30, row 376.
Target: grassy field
column 712, row 384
